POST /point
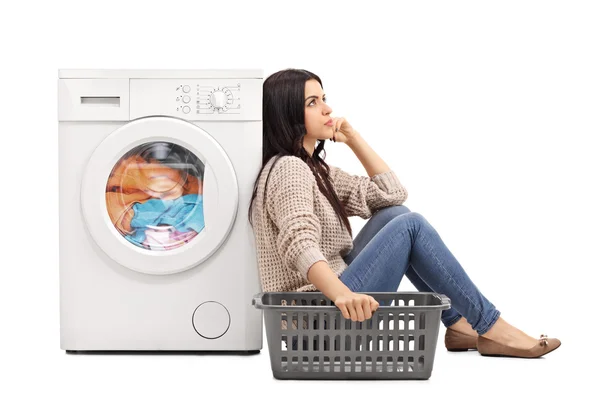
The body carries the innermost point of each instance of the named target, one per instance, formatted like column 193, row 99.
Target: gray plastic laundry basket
column 397, row 342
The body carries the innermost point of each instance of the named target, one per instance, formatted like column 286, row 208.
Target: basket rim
column 444, row 305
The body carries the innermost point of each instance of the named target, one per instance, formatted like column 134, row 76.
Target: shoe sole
column 509, row 356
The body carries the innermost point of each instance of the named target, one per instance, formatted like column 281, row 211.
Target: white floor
column 56, row 374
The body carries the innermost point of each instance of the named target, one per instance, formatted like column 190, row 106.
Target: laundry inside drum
column 154, row 196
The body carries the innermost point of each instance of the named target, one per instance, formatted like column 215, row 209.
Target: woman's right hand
column 356, row 306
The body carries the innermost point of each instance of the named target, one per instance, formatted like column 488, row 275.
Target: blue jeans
column 396, row 241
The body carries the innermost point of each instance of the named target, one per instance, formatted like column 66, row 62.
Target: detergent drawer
column 93, row 100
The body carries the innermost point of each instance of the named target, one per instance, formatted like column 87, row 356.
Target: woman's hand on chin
column 343, row 131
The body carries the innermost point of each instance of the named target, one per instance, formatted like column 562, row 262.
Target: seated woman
column 299, row 212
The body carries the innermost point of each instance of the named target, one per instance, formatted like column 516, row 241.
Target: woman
column 299, row 212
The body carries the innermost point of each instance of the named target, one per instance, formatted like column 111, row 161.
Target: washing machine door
column 159, row 195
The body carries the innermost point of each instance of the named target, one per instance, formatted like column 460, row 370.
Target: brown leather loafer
column 458, row 341
column 488, row 347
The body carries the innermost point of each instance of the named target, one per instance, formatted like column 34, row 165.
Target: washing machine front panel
column 159, row 195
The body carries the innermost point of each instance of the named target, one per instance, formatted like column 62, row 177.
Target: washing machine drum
column 159, row 195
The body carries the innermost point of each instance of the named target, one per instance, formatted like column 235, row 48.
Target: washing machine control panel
column 208, row 99
column 197, row 99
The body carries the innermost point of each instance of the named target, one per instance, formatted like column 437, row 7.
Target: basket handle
column 257, row 300
column 443, row 298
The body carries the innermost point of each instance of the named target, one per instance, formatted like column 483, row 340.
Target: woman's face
column 316, row 112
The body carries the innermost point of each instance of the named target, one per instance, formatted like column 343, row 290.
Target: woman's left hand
column 343, row 131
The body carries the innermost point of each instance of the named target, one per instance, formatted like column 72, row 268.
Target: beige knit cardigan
column 295, row 225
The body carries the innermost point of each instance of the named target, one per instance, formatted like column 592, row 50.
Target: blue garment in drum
column 183, row 213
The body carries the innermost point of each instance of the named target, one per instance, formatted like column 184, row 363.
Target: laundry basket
column 309, row 338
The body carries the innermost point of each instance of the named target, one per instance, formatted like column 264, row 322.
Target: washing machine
column 156, row 172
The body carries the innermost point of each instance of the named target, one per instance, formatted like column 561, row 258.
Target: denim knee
column 413, row 218
column 393, row 211
column 415, row 215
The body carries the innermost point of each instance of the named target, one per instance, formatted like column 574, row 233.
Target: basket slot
column 404, row 342
column 294, row 321
column 379, row 364
column 400, row 322
column 290, row 341
column 336, row 364
column 347, row 324
column 284, row 322
column 389, row 364
column 357, row 365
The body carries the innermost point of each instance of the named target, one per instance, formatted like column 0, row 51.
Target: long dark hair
column 284, row 130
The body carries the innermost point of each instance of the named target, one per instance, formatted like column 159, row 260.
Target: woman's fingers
column 374, row 305
column 344, row 311
column 357, row 307
column 357, row 304
column 367, row 308
column 338, row 123
column 352, row 312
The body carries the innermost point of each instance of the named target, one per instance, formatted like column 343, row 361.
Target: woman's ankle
column 500, row 331
column 463, row 326
column 504, row 333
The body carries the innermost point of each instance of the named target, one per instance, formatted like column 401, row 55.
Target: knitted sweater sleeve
column 290, row 204
column 362, row 196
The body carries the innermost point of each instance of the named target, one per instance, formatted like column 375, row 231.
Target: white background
column 487, row 111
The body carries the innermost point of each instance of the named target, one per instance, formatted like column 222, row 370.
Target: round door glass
column 154, row 196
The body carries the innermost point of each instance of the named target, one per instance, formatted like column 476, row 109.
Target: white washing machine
column 156, row 172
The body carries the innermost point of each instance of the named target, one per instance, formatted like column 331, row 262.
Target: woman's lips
column 329, row 123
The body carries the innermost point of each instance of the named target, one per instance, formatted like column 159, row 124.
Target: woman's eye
column 312, row 102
